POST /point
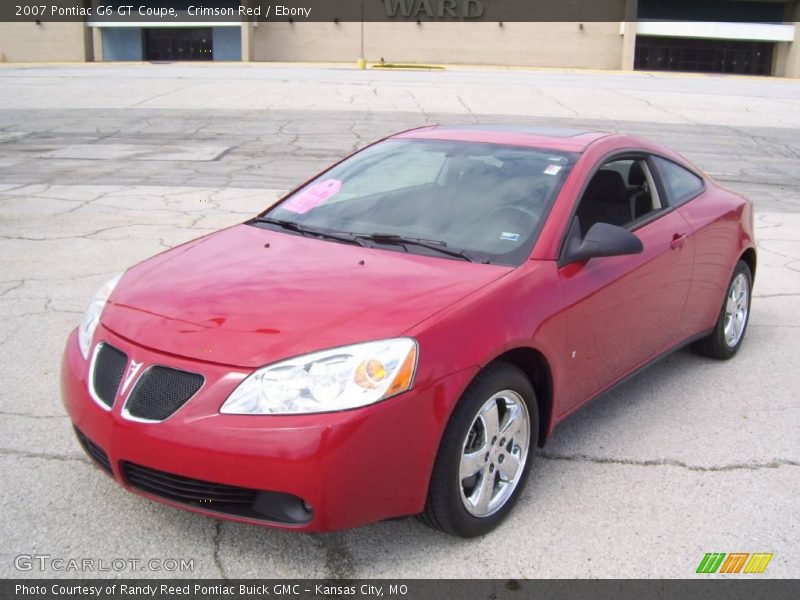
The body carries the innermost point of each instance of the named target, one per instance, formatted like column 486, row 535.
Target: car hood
column 248, row 296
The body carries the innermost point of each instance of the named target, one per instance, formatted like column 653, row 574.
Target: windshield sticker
column 552, row 170
column 511, row 237
column 313, row 196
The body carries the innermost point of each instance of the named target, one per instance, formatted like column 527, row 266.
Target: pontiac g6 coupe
column 399, row 334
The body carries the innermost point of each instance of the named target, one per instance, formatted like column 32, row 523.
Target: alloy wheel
column 736, row 310
column 494, row 453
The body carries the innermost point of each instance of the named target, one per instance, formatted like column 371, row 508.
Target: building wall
column 587, row 45
column 48, row 42
column 302, row 41
column 560, row 45
column 787, row 54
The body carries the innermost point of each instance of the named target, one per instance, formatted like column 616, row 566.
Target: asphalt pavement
column 104, row 165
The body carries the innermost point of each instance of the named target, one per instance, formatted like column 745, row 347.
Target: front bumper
column 352, row 467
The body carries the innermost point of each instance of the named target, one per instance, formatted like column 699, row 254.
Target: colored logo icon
column 734, row 562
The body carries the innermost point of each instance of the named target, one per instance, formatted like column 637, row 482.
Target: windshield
column 482, row 202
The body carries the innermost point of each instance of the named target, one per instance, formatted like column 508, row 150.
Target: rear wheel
column 726, row 338
column 485, row 454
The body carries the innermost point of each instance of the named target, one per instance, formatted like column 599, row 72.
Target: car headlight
column 91, row 318
column 331, row 380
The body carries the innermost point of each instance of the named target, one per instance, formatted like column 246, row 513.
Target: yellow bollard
column 362, row 63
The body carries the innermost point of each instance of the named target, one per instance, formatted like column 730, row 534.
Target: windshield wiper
column 338, row 236
column 399, row 240
column 360, row 239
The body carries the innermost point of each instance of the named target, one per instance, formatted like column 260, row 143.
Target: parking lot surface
column 104, row 165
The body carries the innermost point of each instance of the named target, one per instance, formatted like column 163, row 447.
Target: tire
column 724, row 342
column 457, row 505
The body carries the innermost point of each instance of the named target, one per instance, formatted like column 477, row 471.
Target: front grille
column 94, row 451
column 218, row 497
column 161, row 391
column 109, row 367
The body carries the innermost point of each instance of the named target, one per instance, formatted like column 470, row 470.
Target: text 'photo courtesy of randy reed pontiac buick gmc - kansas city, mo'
column 399, row 334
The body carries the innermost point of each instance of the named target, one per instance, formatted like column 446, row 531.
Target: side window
column 681, row 185
column 621, row 193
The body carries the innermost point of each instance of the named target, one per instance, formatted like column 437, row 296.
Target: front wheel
column 726, row 338
column 484, row 458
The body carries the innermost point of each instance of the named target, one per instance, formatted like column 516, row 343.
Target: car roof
column 552, row 138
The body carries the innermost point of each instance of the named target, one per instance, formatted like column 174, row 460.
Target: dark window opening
column 178, row 44
column 741, row 11
column 703, row 56
column 620, row 193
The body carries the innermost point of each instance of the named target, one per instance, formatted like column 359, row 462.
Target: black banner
column 733, row 588
column 182, row 12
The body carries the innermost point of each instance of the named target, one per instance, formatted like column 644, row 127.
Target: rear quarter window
column 680, row 184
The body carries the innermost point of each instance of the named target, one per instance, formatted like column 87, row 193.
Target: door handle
column 678, row 240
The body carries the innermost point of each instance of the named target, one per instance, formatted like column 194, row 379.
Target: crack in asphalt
column 38, row 313
column 160, row 95
column 558, row 102
column 45, row 456
column 419, row 106
column 628, row 94
column 18, row 283
column 467, row 108
column 665, row 462
column 91, row 235
column 29, row 416
column 785, row 295
column 217, row 558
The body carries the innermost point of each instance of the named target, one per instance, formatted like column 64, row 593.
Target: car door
column 685, row 192
column 623, row 310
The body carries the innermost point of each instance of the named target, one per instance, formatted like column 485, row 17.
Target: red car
column 397, row 335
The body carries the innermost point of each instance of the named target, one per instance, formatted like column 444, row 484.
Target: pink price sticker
column 313, row 196
column 552, row 170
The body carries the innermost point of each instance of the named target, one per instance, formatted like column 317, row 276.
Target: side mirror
column 603, row 239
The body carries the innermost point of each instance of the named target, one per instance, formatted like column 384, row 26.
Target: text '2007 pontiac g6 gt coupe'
column 398, row 335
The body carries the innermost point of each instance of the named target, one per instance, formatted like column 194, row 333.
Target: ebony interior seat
column 639, row 195
column 604, row 201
